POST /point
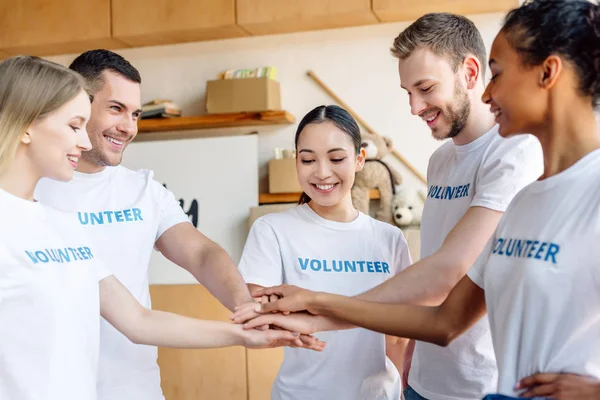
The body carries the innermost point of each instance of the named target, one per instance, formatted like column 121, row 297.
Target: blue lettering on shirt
column 63, row 255
column 448, row 192
column 344, row 266
column 109, row 217
column 526, row 248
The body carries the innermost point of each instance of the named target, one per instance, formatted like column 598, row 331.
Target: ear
column 360, row 159
column 551, row 69
column 472, row 71
column 26, row 137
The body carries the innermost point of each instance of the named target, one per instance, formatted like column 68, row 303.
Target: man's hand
column 290, row 299
column 560, row 387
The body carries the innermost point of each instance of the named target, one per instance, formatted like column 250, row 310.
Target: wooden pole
column 364, row 123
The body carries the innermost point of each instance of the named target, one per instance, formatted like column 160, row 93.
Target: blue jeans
column 502, row 397
column 410, row 394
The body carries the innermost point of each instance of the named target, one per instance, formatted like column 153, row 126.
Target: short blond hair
column 30, row 89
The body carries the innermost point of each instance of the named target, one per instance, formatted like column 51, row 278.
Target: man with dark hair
column 471, row 180
column 126, row 214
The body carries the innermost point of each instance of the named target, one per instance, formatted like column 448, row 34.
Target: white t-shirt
column 487, row 172
column 541, row 276
column 300, row 248
column 49, row 304
column 123, row 212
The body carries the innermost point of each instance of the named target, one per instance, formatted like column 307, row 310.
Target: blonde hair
column 30, row 89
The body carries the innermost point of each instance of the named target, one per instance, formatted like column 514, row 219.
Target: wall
column 354, row 62
column 219, row 174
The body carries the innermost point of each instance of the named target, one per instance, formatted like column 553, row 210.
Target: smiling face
column 514, row 94
column 326, row 163
column 436, row 93
column 113, row 124
column 54, row 143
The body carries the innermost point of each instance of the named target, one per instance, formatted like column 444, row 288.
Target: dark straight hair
column 340, row 118
column 570, row 29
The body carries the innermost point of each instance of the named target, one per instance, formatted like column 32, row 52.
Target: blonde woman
column 52, row 284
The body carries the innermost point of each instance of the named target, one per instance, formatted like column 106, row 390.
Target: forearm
column 165, row 329
column 216, row 271
column 323, row 324
column 428, row 282
column 416, row 322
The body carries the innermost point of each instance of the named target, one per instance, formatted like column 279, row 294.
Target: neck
column 344, row 211
column 480, row 121
column 569, row 133
column 19, row 179
column 86, row 167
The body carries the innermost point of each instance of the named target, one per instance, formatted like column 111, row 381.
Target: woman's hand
column 560, row 387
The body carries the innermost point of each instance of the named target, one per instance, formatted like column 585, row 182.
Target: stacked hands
column 283, row 308
column 295, row 311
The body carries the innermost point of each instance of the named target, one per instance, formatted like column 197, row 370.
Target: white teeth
column 115, row 141
column 72, row 158
column 324, row 187
column 431, row 117
column 497, row 113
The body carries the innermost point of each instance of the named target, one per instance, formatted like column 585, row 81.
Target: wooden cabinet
column 43, row 27
column 152, row 22
column 263, row 366
column 261, row 17
column 198, row 374
column 408, row 10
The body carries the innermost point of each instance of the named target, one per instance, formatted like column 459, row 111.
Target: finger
column 312, row 343
column 245, row 314
column 278, row 290
column 262, row 328
column 547, row 390
column 536, row 379
column 273, row 297
column 261, row 320
column 264, row 299
column 277, row 305
column 288, row 339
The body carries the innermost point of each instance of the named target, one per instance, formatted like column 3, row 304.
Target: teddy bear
column 407, row 206
column 376, row 174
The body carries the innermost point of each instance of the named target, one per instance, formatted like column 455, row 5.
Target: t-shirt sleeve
column 477, row 271
column 100, row 270
column 261, row 262
column 402, row 254
column 170, row 212
column 514, row 164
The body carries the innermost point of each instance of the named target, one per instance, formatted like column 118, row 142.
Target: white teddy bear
column 407, row 206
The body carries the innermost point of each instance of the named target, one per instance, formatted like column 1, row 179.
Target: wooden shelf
column 273, row 198
column 175, row 128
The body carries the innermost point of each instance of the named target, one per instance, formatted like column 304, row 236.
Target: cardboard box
column 283, row 177
column 225, row 96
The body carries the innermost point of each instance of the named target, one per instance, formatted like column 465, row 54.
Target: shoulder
column 442, row 152
column 515, row 147
column 280, row 218
column 139, row 175
column 383, row 231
